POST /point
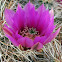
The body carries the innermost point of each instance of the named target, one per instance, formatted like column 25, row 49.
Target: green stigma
column 32, row 31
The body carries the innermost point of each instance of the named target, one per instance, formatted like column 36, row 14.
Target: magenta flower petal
column 43, row 38
column 26, row 42
column 8, row 16
column 44, row 21
column 7, row 30
column 37, row 46
column 49, row 29
column 20, row 20
column 39, row 39
column 9, row 33
column 16, row 35
column 41, row 9
column 13, row 40
column 30, row 14
column 51, row 37
column 21, row 41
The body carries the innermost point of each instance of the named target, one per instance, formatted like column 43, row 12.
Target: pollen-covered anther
column 29, row 32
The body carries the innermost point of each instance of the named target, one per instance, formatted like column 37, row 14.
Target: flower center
column 29, row 32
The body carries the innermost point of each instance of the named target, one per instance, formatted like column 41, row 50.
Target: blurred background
column 4, row 42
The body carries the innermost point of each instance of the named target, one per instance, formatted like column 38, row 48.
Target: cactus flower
column 29, row 27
